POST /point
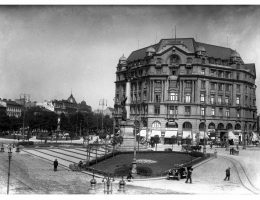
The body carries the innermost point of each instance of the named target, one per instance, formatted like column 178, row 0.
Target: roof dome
column 150, row 49
column 122, row 58
column 234, row 54
column 200, row 48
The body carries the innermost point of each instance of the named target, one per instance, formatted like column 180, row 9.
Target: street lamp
column 244, row 138
column 108, row 184
column 9, row 165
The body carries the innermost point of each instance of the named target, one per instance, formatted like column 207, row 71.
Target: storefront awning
column 203, row 135
column 170, row 133
column 255, row 137
column 231, row 135
column 155, row 132
column 142, row 133
column 186, row 134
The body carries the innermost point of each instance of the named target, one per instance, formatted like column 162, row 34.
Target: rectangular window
column 238, row 100
column 174, row 72
column 238, row 88
column 220, row 112
column 202, row 97
column 144, row 95
column 212, row 86
column 212, row 99
column 213, row 111
column 173, row 110
column 202, row 111
column 238, row 113
column 157, row 98
column 157, row 110
column 220, row 86
column 246, row 99
column 227, row 113
column 174, row 96
column 238, row 76
column 227, row 75
column 219, row 99
column 187, row 110
column 227, row 87
column 227, row 100
column 203, row 84
column 220, row 74
column 212, row 72
column 188, row 84
column 187, row 97
column 202, row 71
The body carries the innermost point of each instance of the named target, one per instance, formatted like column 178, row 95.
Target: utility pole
column 24, row 98
column 103, row 102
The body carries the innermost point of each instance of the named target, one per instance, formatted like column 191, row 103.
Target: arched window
column 187, row 125
column 211, row 125
column 221, row 126
column 229, row 126
column 202, row 126
column 156, row 124
column 237, row 127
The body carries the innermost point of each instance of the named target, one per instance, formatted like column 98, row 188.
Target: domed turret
column 150, row 51
column 122, row 59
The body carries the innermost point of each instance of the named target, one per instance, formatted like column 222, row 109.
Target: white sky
column 47, row 51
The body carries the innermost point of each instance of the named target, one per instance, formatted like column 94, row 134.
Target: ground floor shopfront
column 196, row 131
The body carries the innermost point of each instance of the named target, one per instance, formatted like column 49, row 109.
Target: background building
column 181, row 87
column 13, row 109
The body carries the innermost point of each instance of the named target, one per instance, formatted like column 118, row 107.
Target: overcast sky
column 47, row 51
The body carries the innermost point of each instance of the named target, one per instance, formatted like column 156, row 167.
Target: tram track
column 15, row 176
column 246, row 183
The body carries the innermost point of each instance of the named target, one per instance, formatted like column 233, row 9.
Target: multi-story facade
column 13, row 109
column 187, row 88
column 65, row 106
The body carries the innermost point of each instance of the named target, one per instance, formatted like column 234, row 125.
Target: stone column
column 128, row 101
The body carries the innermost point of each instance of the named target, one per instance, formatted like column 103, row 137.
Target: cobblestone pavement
column 30, row 174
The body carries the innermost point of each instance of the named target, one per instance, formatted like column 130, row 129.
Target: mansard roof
column 214, row 51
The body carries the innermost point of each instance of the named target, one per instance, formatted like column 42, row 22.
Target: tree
column 173, row 139
column 156, row 140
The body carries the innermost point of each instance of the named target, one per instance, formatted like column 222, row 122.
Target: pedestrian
column 55, row 164
column 211, row 145
column 129, row 177
column 227, row 174
column 190, row 169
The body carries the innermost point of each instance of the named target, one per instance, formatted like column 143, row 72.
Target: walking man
column 189, row 175
column 55, row 164
column 227, row 174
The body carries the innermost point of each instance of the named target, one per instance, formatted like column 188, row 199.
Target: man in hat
column 227, row 174
column 189, row 173
column 55, row 164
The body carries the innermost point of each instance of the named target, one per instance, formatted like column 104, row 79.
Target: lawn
column 159, row 162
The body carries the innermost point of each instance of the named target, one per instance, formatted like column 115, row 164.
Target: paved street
column 32, row 172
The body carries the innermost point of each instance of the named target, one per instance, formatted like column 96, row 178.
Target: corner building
column 188, row 89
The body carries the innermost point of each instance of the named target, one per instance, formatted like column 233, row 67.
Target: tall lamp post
column 108, row 184
column 9, row 166
column 204, row 141
column 244, row 137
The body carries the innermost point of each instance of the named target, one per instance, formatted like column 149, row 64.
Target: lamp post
column 9, row 166
column 108, row 184
column 204, row 141
column 244, row 138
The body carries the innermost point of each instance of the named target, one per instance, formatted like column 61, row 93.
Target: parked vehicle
column 177, row 172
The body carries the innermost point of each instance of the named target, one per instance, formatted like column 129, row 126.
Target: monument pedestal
column 127, row 132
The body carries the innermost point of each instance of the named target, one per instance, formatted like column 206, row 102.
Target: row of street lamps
column 9, row 164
